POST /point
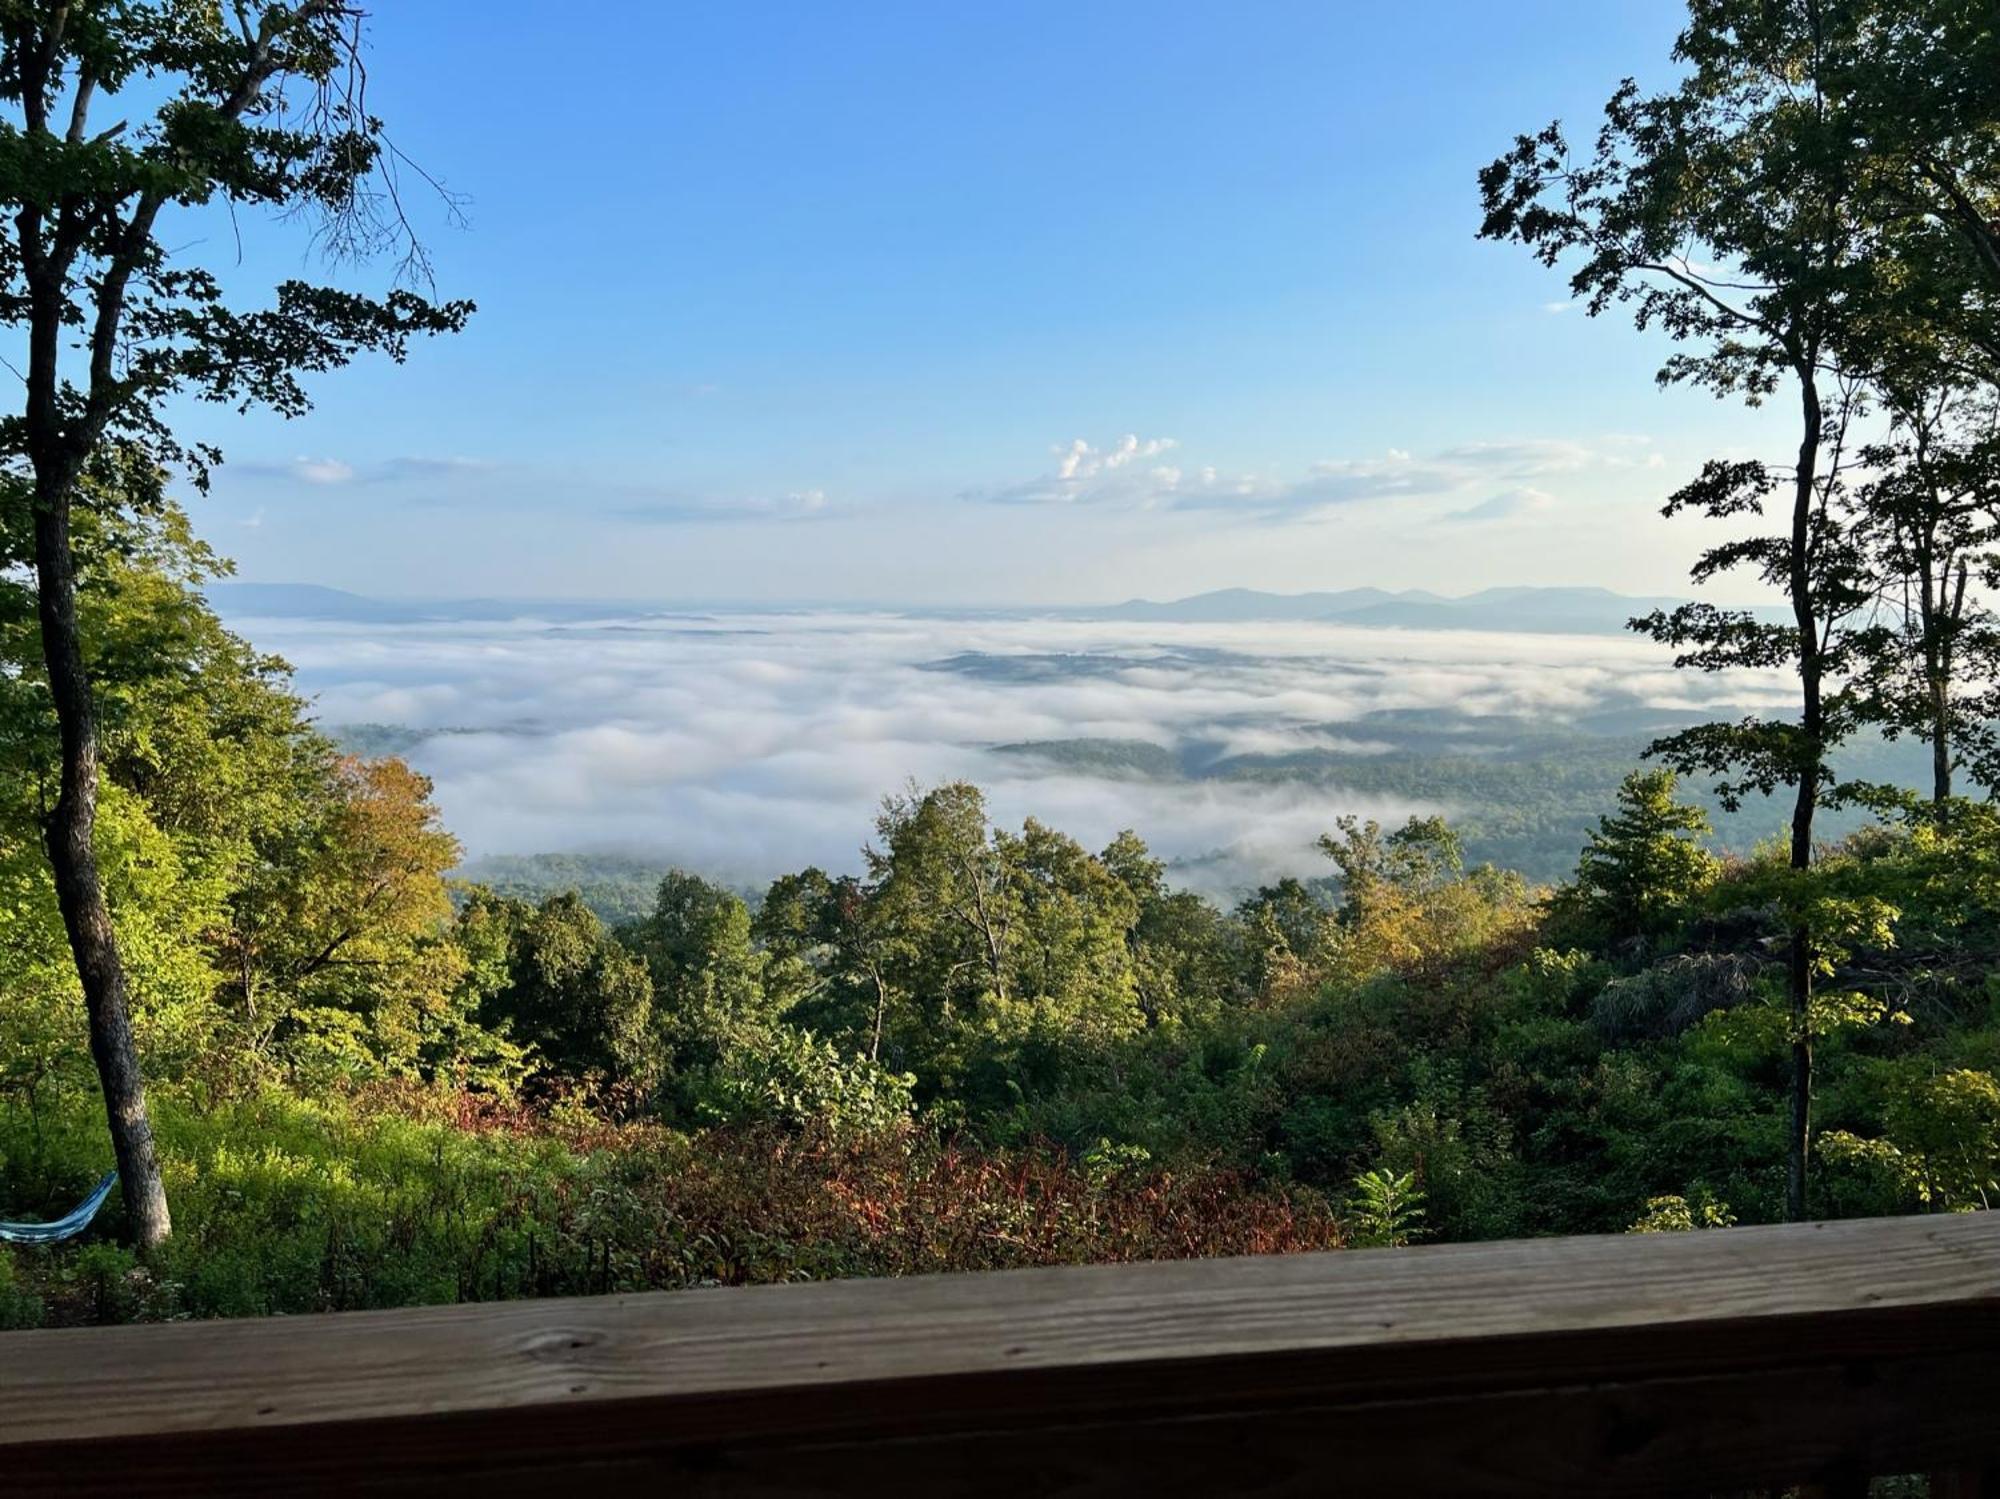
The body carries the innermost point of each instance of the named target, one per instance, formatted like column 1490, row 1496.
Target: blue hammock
column 62, row 1228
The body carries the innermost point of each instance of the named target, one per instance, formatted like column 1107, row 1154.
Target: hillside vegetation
column 233, row 959
column 375, row 1084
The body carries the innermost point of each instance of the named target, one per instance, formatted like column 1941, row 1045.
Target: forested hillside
column 235, row 959
column 994, row 1046
column 1523, row 793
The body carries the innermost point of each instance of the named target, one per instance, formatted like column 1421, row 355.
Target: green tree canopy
column 1645, row 865
column 566, row 988
column 250, row 106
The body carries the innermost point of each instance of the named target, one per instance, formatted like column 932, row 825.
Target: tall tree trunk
column 79, row 890
column 1812, row 727
column 881, row 1009
column 1941, row 630
column 1940, row 752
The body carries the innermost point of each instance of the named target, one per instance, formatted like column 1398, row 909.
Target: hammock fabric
column 62, row 1228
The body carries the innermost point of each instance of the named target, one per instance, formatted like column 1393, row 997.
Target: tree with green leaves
column 1418, row 857
column 1407, row 900
column 567, row 988
column 1289, row 934
column 709, row 998
column 992, row 941
column 1920, row 99
column 1731, row 213
column 339, row 953
column 340, row 890
column 1941, row 1140
column 1187, row 957
column 259, row 106
column 1070, row 969
column 943, row 890
column 1645, row 864
column 1929, row 517
column 274, row 900
column 827, row 951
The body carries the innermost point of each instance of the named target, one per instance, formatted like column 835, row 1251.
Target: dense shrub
column 398, row 1198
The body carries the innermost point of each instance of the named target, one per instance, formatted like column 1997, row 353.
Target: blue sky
column 979, row 303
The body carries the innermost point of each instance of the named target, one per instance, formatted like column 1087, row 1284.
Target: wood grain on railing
column 1649, row 1364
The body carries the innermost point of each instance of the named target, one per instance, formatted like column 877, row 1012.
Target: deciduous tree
column 1929, row 517
column 1731, row 213
column 259, row 106
column 569, row 989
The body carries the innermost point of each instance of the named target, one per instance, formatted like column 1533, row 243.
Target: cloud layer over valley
column 743, row 745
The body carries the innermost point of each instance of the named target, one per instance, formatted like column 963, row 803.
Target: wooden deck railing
column 1755, row 1357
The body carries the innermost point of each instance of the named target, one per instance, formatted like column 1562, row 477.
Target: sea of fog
column 746, row 744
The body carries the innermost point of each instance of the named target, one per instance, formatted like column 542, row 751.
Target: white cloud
column 1527, row 457
column 1085, row 474
column 322, row 471
column 1079, row 460
column 325, row 471
column 746, row 744
column 1632, row 449
column 459, row 480
column 1113, row 476
column 1511, row 504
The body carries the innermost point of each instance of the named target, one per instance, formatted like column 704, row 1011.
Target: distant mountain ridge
column 1527, row 610
column 1246, row 605
column 301, row 601
column 1558, row 611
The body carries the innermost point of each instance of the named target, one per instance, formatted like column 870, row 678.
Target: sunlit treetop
column 118, row 112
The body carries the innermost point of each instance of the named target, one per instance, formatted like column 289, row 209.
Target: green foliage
column 615, row 889
column 1525, row 792
column 1678, row 1215
column 1385, row 1211
column 400, row 1197
column 1408, row 901
column 996, row 944
column 1421, row 855
column 802, row 1083
column 1941, row 1140
column 280, row 907
column 263, row 113
column 559, row 984
column 708, row 996
column 992, row 1046
column 1105, row 1162
column 19, row 1306
column 296, row 950
column 1809, row 209
column 1644, row 868
column 1430, row 1048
